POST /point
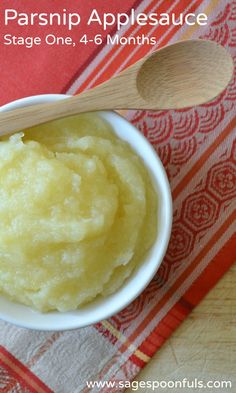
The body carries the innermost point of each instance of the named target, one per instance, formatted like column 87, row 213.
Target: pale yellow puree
column 77, row 213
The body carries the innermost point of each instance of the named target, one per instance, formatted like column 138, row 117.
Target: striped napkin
column 198, row 149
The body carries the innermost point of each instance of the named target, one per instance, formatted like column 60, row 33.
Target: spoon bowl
column 184, row 74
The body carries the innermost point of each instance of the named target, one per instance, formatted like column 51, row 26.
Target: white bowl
column 103, row 308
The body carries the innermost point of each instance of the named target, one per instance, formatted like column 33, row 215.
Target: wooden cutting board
column 204, row 346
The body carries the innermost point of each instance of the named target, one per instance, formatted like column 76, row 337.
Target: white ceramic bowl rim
column 103, row 308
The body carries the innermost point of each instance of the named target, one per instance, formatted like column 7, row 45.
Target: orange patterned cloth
column 198, row 149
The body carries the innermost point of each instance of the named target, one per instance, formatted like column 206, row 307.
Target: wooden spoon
column 181, row 75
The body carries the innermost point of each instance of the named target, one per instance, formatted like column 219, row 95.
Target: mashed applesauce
column 77, row 213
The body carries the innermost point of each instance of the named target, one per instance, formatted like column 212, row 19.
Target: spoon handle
column 107, row 96
column 23, row 118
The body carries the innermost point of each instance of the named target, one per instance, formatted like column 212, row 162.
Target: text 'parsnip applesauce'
column 78, row 213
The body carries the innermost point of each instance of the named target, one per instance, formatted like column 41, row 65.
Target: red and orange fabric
column 198, row 149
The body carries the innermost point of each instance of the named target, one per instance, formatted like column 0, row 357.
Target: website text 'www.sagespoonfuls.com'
column 156, row 385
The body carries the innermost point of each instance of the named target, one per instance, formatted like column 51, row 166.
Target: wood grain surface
column 204, row 346
column 181, row 75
